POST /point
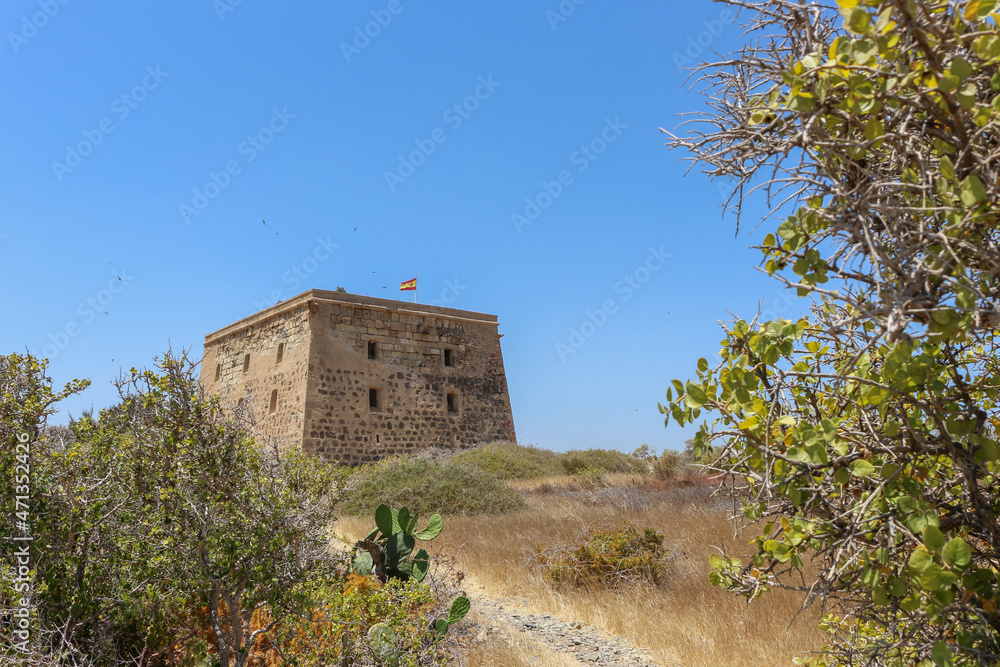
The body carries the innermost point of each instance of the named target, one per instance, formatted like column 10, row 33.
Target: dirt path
column 582, row 644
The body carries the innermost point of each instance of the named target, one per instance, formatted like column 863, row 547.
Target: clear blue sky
column 143, row 144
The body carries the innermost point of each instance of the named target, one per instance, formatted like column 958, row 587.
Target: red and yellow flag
column 408, row 286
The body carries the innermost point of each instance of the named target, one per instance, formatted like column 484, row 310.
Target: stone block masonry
column 353, row 378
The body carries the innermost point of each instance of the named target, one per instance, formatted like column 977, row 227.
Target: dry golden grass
column 685, row 622
column 572, row 482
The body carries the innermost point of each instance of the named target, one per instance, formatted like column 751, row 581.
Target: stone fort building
column 354, row 378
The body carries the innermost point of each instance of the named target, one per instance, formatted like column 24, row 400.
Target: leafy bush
column 607, row 557
column 862, row 437
column 610, row 460
column 509, row 460
column 668, row 464
column 644, row 452
column 593, row 478
column 427, row 487
column 162, row 506
column 362, row 622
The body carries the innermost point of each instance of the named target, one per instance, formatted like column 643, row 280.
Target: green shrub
column 607, row 557
column 341, row 630
column 509, row 460
column 644, row 452
column 162, row 506
column 668, row 464
column 426, row 487
column 593, row 478
column 610, row 460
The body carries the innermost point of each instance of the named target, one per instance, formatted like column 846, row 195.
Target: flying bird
column 263, row 221
column 355, row 229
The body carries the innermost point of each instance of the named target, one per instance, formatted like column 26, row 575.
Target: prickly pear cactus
column 459, row 608
column 386, row 551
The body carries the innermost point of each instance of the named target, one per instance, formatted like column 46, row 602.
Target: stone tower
column 354, row 378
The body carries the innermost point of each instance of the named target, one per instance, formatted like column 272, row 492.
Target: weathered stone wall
column 324, row 386
column 225, row 357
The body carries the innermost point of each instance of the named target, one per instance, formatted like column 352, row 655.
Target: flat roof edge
column 303, row 299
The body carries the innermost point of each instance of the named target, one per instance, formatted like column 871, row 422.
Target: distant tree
column 864, row 436
column 644, row 452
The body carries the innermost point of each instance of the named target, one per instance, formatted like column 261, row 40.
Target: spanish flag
column 408, row 286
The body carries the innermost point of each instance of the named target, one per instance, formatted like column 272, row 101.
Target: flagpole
column 415, row 288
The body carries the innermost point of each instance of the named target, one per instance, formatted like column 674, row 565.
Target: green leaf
column 381, row 638
column 934, row 578
column 441, row 626
column 948, row 83
column 694, row 396
column 987, row 47
column 874, row 129
column 987, row 451
column 972, row 191
column 459, row 608
column 941, row 655
column 920, row 560
column 910, row 603
column 960, row 68
column 858, row 21
column 862, row 468
column 957, row 554
column 383, row 519
column 842, row 476
column 400, row 546
column 801, row 101
column 934, row 539
column 421, row 563
column 977, row 9
column 432, row 529
column 363, row 564
column 967, row 95
column 403, row 519
column 946, row 167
